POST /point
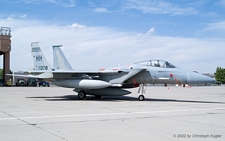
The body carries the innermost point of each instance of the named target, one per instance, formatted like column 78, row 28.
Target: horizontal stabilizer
column 42, row 76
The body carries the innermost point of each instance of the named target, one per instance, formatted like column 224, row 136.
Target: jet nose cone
column 197, row 78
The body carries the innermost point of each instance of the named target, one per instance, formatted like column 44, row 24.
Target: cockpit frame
column 157, row 63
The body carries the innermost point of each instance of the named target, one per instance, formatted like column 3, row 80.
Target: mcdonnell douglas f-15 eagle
column 113, row 81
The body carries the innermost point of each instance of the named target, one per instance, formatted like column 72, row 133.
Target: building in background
column 5, row 48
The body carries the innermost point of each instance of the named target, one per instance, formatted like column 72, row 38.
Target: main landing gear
column 142, row 89
column 81, row 95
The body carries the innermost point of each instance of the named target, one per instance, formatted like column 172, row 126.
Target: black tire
column 81, row 95
column 141, row 98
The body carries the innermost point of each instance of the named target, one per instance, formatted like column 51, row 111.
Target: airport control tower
column 5, row 48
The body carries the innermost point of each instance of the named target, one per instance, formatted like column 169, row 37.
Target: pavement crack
column 34, row 125
column 49, row 132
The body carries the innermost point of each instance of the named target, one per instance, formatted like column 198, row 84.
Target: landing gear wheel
column 81, row 95
column 141, row 98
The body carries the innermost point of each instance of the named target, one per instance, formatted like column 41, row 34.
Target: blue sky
column 104, row 33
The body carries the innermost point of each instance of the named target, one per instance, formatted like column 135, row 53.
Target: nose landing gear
column 142, row 89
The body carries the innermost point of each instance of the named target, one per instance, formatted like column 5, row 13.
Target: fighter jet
column 112, row 81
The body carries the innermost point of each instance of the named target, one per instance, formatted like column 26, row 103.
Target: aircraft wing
column 82, row 74
column 63, row 74
column 125, row 74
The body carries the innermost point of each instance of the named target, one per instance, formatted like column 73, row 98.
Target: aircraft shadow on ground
column 117, row 98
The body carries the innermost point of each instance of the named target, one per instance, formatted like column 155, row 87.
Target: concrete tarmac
column 168, row 113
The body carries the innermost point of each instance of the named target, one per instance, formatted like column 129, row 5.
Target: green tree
column 1, row 73
column 220, row 75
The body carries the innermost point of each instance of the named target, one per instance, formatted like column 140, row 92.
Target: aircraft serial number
column 42, row 67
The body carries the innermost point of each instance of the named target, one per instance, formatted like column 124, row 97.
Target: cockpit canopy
column 157, row 63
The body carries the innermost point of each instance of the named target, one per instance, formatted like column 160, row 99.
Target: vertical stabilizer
column 59, row 59
column 40, row 62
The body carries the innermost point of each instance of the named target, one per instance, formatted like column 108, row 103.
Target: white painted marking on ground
column 108, row 114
